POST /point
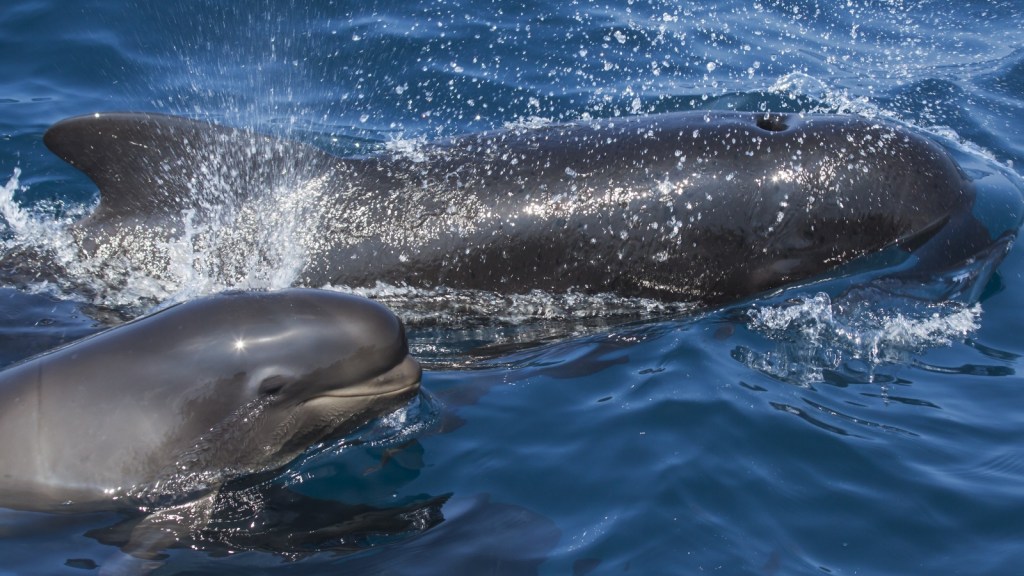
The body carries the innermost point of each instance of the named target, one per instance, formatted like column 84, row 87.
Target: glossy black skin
column 704, row 207
column 167, row 407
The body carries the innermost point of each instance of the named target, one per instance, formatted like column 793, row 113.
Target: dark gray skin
column 164, row 409
column 701, row 207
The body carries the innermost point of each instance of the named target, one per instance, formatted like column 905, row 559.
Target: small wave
column 852, row 337
column 870, row 333
column 816, row 414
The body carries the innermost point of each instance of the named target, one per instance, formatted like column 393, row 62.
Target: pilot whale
column 701, row 207
column 164, row 409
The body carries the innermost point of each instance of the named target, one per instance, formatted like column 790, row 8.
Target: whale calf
column 701, row 207
column 164, row 409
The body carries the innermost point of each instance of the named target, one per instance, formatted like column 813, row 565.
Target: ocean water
column 829, row 428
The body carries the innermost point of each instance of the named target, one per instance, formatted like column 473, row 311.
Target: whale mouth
column 403, row 378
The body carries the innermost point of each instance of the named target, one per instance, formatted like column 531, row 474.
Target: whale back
column 701, row 207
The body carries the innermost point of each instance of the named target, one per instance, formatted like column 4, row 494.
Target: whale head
column 287, row 370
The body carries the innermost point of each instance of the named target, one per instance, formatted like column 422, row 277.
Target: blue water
column 865, row 437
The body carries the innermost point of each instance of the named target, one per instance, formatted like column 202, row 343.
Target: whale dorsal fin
column 148, row 165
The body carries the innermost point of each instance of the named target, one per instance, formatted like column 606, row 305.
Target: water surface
column 800, row 433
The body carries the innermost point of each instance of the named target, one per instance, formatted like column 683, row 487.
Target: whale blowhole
column 772, row 123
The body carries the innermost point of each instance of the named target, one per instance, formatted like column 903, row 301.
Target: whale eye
column 771, row 123
column 272, row 386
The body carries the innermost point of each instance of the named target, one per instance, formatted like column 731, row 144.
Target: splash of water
column 257, row 243
column 16, row 217
column 854, row 335
column 829, row 99
column 33, row 235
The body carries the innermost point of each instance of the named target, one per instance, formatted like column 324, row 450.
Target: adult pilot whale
column 166, row 408
column 704, row 207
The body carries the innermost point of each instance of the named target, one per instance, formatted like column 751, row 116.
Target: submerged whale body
column 702, row 207
column 167, row 408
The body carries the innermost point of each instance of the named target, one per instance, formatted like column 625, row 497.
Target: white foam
column 817, row 334
column 868, row 332
column 449, row 305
